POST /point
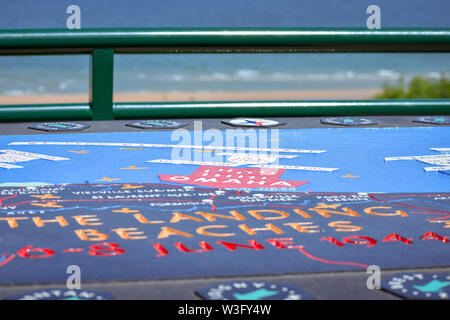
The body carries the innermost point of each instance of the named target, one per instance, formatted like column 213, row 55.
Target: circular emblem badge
column 63, row 294
column 419, row 285
column 157, row 124
column 253, row 290
column 433, row 119
column 348, row 121
column 254, row 123
column 59, row 126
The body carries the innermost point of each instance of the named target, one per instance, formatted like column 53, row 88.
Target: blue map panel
column 357, row 155
column 181, row 204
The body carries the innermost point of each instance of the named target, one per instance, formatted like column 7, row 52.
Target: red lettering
column 434, row 236
column 161, row 250
column 396, row 237
column 282, row 243
column 203, row 244
column 333, row 241
column 232, row 246
column 35, row 253
column 360, row 240
column 105, row 249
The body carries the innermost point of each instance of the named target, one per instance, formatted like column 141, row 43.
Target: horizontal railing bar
column 33, row 112
column 224, row 40
column 89, row 41
column 219, row 109
column 280, row 109
column 345, row 48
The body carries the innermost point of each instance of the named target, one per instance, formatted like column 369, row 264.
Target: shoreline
column 346, row 94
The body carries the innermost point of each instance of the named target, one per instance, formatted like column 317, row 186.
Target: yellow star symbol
column 349, row 176
column 51, row 204
column 46, row 196
column 107, row 179
column 125, row 210
column 204, row 150
column 129, row 186
column 329, row 206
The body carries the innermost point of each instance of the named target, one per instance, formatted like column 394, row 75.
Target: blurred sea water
column 25, row 75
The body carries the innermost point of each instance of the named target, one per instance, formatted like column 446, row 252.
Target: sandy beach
column 197, row 96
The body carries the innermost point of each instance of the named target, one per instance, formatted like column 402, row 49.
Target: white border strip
column 34, row 155
column 293, row 167
column 436, row 168
column 9, row 166
column 153, row 145
column 203, row 163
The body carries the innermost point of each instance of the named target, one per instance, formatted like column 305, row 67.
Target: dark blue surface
column 409, row 216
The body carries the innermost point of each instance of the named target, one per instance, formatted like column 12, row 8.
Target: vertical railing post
column 101, row 84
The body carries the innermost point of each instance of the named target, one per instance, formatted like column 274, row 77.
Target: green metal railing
column 102, row 44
